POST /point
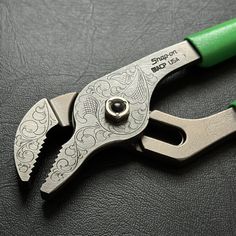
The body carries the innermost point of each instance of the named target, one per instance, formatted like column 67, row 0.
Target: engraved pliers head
column 110, row 110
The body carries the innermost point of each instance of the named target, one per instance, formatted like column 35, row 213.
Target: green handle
column 233, row 104
column 215, row 44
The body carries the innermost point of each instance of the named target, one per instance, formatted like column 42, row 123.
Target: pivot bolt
column 117, row 109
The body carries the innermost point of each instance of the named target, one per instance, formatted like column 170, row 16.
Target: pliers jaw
column 33, row 129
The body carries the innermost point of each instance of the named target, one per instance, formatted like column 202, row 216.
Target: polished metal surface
column 33, row 129
column 134, row 83
column 119, row 114
column 30, row 137
column 199, row 133
column 62, row 107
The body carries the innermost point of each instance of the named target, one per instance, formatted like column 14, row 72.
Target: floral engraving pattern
column 92, row 129
column 30, row 136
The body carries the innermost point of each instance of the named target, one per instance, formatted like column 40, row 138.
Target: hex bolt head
column 117, row 109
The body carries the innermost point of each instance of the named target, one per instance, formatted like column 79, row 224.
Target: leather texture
column 48, row 48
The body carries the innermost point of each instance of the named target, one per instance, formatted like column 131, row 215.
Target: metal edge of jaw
column 33, row 128
column 30, row 137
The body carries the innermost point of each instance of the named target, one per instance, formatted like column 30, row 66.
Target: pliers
column 114, row 110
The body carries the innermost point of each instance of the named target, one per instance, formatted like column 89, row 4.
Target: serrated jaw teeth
column 30, row 137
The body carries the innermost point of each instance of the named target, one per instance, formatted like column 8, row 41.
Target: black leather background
column 48, row 48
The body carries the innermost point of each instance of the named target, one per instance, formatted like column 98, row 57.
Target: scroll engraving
column 92, row 130
column 30, row 135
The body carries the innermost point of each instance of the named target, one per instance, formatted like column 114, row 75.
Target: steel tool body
column 115, row 109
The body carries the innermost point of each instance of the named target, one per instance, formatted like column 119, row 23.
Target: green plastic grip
column 233, row 104
column 215, row 44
